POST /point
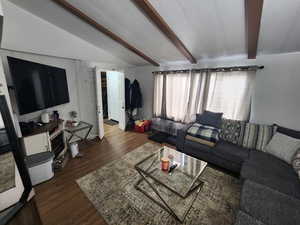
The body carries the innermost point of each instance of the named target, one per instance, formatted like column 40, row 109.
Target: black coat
column 127, row 93
column 136, row 95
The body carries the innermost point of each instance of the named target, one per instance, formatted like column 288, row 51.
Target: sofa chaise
column 271, row 187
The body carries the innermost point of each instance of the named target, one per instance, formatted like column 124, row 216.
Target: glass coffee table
column 183, row 182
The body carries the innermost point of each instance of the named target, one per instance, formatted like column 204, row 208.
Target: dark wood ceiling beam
column 253, row 12
column 103, row 30
column 148, row 10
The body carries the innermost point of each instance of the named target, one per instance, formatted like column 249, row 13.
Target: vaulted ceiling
column 206, row 28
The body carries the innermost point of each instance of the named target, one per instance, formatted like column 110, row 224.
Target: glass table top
column 183, row 179
column 81, row 126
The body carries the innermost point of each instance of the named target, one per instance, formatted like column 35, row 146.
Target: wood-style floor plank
column 60, row 200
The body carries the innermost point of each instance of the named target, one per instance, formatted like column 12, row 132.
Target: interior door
column 113, row 95
column 99, row 107
column 122, row 116
column 116, row 97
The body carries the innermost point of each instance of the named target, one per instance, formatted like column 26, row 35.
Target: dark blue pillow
column 210, row 119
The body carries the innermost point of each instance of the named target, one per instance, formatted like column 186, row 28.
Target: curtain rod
column 218, row 69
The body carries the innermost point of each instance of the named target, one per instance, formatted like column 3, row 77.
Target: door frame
column 122, row 121
column 99, row 106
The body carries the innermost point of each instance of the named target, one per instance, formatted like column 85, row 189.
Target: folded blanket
column 204, row 132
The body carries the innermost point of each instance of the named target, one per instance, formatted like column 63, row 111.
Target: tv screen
column 38, row 86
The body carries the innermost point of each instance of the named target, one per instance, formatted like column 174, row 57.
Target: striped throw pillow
column 250, row 135
column 257, row 136
column 296, row 162
column 265, row 134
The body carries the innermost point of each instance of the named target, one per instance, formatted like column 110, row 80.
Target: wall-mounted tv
column 37, row 86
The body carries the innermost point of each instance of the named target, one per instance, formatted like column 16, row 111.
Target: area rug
column 112, row 191
column 7, row 171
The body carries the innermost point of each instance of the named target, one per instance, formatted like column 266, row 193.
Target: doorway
column 110, row 88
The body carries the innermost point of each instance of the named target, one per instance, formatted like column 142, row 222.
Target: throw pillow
column 232, row 131
column 265, row 133
column 283, row 147
column 250, row 135
column 287, row 131
column 296, row 162
column 210, row 119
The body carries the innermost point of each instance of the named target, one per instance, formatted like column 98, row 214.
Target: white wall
column 81, row 84
column 87, row 89
column 277, row 95
column 143, row 75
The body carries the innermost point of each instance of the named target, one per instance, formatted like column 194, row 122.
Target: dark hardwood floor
column 60, row 200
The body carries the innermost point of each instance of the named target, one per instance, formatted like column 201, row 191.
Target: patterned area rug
column 7, row 172
column 112, row 191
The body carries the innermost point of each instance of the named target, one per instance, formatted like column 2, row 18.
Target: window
column 180, row 96
column 230, row 93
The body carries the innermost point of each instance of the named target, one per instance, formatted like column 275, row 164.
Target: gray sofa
column 271, row 188
column 224, row 154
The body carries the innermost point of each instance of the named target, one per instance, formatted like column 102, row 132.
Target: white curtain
column 180, row 96
column 230, row 93
column 158, row 95
column 197, row 95
column 177, row 94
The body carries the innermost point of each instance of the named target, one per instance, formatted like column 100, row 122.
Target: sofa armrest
column 180, row 139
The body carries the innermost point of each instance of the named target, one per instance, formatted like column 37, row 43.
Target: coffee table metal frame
column 146, row 174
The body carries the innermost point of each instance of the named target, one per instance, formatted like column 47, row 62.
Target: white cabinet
column 36, row 143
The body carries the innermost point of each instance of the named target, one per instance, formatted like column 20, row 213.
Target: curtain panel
column 179, row 96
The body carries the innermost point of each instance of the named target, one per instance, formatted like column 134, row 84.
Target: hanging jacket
column 127, row 93
column 136, row 95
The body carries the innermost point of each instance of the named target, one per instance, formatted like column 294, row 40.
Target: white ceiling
column 208, row 28
column 280, row 27
column 27, row 33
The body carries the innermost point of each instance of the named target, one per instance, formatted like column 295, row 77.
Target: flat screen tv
column 37, row 86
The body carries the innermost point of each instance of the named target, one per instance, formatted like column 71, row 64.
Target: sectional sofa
column 271, row 188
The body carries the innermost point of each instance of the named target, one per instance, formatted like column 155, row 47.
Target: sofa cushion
column 204, row 152
column 283, row 147
column 243, row 218
column 269, row 206
column 270, row 163
column 210, row 119
column 232, row 131
column 288, row 184
column 229, row 151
